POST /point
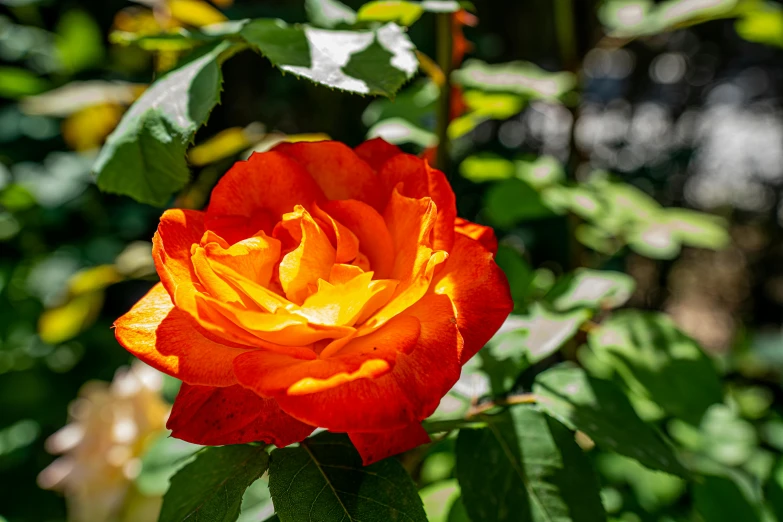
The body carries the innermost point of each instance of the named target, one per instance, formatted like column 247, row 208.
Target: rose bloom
column 322, row 287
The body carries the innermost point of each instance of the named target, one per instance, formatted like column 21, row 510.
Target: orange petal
column 380, row 445
column 268, row 181
column 406, row 395
column 254, row 257
column 177, row 232
column 235, row 228
column 369, row 227
column 166, row 339
column 479, row 290
column 289, row 333
column 273, row 375
column 345, row 242
column 343, row 273
column 376, row 152
column 410, row 223
column 482, row 234
column 421, row 181
column 339, row 172
column 312, row 260
column 233, row 415
column 343, row 304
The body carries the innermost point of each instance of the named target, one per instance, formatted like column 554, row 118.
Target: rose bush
column 322, row 287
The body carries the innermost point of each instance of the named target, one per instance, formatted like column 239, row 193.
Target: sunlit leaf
column 145, row 156
column 601, row 410
column 366, row 62
column 763, row 25
column 87, row 128
column 526, row 467
column 323, row 479
column 210, row 488
column 697, row 229
column 439, row 498
column 486, row 167
column 194, row 12
column 399, row 131
column 403, row 12
column 633, row 18
column 224, row 144
column 64, row 322
column 660, row 362
column 79, row 41
column 522, row 78
column 595, row 289
column 726, row 438
column 653, row 490
column 491, row 105
column 16, row 82
column 541, row 172
column 75, row 96
column 536, row 335
column 329, row 13
column 400, row 11
column 92, row 279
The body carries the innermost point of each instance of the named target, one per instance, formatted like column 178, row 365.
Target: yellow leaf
column 92, row 279
column 86, row 128
column 65, row 322
column 222, row 145
column 195, row 12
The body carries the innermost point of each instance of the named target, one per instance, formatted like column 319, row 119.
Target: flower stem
column 470, row 420
column 444, row 53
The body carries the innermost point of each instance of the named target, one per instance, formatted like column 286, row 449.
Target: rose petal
column 484, row 235
column 420, row 181
column 177, row 232
column 376, row 152
column 232, row 415
column 269, row 181
column 312, row 260
column 165, row 338
column 370, row 229
column 339, row 172
column 380, row 445
column 479, row 290
column 271, row 375
column 406, row 395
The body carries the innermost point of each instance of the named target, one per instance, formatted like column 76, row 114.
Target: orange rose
column 322, row 287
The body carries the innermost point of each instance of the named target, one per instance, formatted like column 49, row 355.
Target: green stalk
column 444, row 51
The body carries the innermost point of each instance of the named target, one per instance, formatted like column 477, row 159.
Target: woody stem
column 473, row 418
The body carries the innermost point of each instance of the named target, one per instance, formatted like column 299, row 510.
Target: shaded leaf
column 439, row 498
column 210, row 488
column 719, row 499
column 323, row 479
column 161, row 461
column 511, row 201
column 525, row 466
column 144, row 157
column 379, row 61
column 660, row 362
column 601, row 410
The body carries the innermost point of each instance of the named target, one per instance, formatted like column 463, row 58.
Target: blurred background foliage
column 593, row 135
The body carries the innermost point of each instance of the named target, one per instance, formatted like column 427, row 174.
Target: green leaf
column 399, row 131
column 660, row 362
column 518, row 272
column 486, row 167
column 329, row 13
column 536, row 335
column 211, row 487
column 439, row 498
column 523, row 78
column 763, row 25
column 402, row 11
column 593, row 289
column 79, row 41
column 719, row 499
column 525, row 466
column 653, row 490
column 773, row 491
column 378, row 61
column 16, row 82
column 161, row 461
column 144, row 157
column 634, row 18
column 323, row 479
column 601, row 410
column 511, row 201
